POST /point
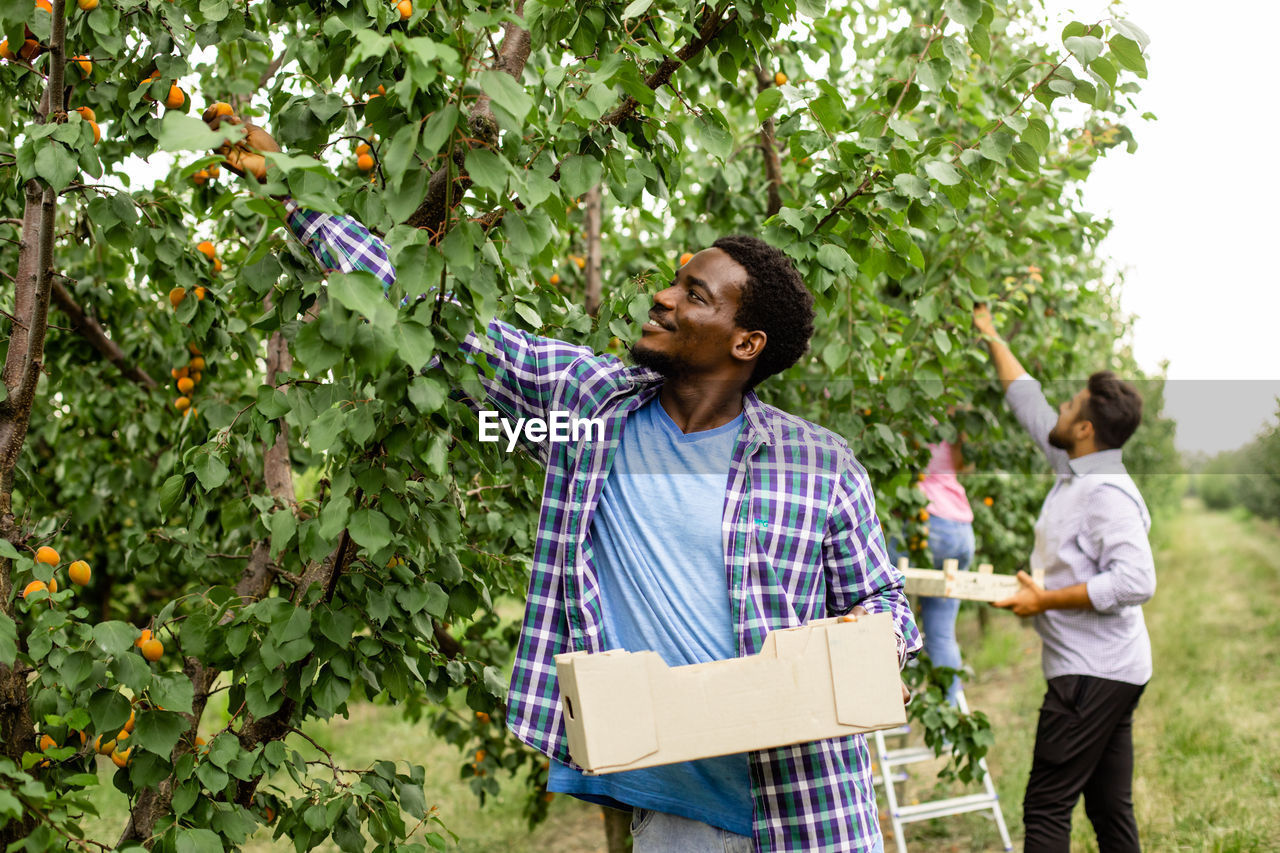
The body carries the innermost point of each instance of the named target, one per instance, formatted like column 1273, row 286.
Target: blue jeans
column 659, row 832
column 948, row 540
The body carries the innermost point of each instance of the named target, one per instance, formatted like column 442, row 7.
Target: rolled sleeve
column 340, row 243
column 1126, row 568
column 857, row 563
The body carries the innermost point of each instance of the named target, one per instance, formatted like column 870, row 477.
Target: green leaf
column 910, row 185
column 362, row 293
column 158, row 731
column 333, row 518
column 370, row 529
column 713, row 135
column 1026, row 157
column 173, row 691
column 964, row 12
column 56, row 164
column 1084, row 48
column 996, row 146
column 767, row 103
column 1016, row 123
column 487, row 169
column 438, row 128
column 437, row 600
column 132, row 671
column 171, row 492
column 211, row 471
column 109, row 711
column 325, row 106
column 1104, row 69
column 980, row 41
column 178, row 132
column 283, row 524
column 114, row 638
column 636, row 7
column 505, row 92
column 398, row 157
column 904, row 128
column 934, row 74
column 198, row 841
column 834, row 258
column 943, row 172
column 272, row 402
column 8, row 640
column 1037, row 135
column 337, row 626
column 1133, row 32
column 926, row 308
column 415, row 343
column 579, row 173
column 1128, row 54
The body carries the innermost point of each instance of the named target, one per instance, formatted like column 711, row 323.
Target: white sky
column 1195, row 212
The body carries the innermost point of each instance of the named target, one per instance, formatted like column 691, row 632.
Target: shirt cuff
column 1102, row 593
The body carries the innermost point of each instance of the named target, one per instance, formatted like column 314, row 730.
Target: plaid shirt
column 801, row 541
column 340, row 242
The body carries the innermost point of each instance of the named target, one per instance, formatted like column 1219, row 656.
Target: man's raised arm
column 1007, row 367
column 1023, row 393
column 519, row 369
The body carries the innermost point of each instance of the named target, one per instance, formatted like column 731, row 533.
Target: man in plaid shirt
column 624, row 557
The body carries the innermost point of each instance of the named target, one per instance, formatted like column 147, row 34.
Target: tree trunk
column 595, row 287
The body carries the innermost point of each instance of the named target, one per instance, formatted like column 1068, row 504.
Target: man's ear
column 749, row 345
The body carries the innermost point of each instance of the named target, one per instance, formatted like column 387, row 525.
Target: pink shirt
column 947, row 498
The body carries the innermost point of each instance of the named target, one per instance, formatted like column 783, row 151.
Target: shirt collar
column 754, row 412
column 1101, row 462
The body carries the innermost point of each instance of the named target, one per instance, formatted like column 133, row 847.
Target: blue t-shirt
column 659, row 554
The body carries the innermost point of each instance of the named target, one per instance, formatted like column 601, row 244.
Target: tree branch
column 709, row 26
column 934, row 32
column 769, row 147
column 861, row 190
column 445, row 186
column 595, row 285
column 93, row 332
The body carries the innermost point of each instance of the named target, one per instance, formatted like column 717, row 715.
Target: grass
column 1207, row 748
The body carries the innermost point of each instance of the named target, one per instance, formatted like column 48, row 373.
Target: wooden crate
column 982, row 585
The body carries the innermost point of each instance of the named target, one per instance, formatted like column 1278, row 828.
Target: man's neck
column 1083, row 449
column 700, row 405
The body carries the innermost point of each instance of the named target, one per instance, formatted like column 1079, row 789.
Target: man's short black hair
column 774, row 301
column 1114, row 409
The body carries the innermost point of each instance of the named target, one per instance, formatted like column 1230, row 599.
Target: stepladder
column 890, row 764
column 982, row 585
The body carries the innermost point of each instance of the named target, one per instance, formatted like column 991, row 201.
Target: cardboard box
column 830, row 678
column 982, row 585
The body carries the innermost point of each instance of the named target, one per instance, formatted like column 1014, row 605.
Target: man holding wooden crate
column 700, row 520
column 1091, row 541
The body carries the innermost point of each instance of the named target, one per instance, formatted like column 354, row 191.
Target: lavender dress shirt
column 1092, row 530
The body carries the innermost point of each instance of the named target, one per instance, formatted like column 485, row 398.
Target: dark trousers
column 1084, row 745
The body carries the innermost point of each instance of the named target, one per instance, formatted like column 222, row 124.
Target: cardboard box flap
column 864, row 673
column 621, row 690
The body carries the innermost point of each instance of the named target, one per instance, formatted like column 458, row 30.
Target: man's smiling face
column 691, row 327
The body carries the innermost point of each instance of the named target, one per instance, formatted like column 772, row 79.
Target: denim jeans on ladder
column 948, row 540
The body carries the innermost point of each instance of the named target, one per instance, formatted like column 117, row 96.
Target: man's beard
column 659, row 362
column 1058, row 441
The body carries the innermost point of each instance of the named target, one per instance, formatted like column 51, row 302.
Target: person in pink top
column 950, row 538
